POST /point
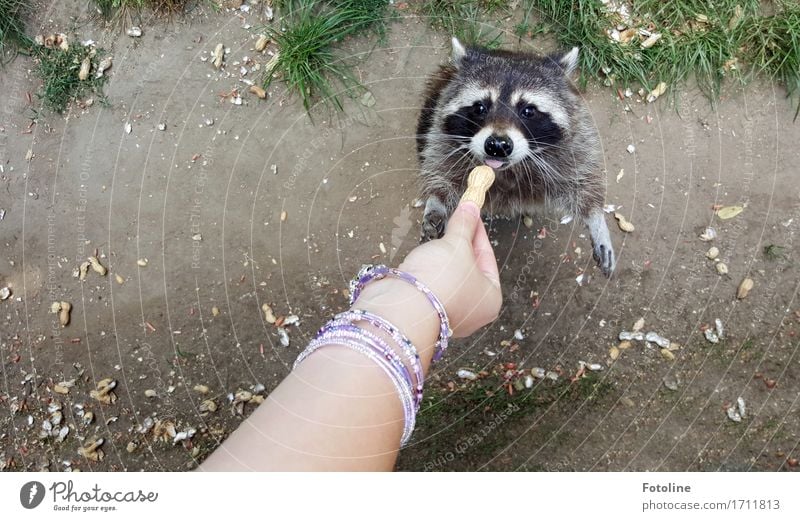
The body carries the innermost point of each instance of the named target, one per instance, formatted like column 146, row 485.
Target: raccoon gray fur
column 521, row 115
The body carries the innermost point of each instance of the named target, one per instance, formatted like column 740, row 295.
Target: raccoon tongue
column 494, row 163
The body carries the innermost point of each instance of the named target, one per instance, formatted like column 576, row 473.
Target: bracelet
column 360, row 343
column 369, row 272
column 355, row 315
column 336, row 325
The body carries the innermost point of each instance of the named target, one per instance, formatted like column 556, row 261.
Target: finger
column 484, row 256
column 463, row 222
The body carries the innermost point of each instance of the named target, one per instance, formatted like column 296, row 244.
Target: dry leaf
column 729, row 212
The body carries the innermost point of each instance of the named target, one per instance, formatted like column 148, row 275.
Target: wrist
column 407, row 308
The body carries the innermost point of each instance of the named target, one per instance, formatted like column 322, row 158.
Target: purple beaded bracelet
column 369, row 272
column 355, row 315
column 358, row 342
column 336, row 326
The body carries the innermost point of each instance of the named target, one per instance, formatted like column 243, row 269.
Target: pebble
column 466, row 374
column 722, row 268
column 712, row 253
column 720, row 329
column 368, row 100
column 709, row 234
column 670, row 382
column 654, row 337
column 733, row 414
column 283, row 336
column 628, row 335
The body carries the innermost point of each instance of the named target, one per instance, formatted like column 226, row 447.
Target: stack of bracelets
column 407, row 378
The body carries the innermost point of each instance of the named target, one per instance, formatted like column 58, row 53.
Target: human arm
column 338, row 410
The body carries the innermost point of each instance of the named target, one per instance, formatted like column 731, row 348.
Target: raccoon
column 521, row 115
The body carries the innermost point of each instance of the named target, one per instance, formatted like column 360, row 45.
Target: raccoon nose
column 498, row 146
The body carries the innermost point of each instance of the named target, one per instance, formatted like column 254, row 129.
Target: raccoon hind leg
column 602, row 249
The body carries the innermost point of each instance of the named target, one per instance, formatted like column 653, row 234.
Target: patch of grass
column 771, row 44
column 110, row 9
column 58, row 70
column 530, row 26
column 307, row 37
column 700, row 40
column 12, row 28
column 773, row 252
column 465, row 19
column 485, row 408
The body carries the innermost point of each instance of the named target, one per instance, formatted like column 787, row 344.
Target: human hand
column 461, row 270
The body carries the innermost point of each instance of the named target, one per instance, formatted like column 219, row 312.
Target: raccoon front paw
column 603, row 254
column 432, row 226
column 434, row 220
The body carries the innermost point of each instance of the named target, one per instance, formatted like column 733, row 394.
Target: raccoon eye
column 479, row 108
column 529, row 111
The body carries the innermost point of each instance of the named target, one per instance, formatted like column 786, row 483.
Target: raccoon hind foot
column 603, row 254
column 602, row 250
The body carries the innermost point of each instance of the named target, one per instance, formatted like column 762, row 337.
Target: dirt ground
column 222, row 228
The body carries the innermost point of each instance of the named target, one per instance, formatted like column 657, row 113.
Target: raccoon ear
column 458, row 52
column 569, row 62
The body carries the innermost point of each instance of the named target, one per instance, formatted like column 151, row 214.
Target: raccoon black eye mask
column 521, row 115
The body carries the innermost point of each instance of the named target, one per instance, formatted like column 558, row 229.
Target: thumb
column 463, row 222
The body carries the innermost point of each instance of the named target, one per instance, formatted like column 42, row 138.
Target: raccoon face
column 505, row 108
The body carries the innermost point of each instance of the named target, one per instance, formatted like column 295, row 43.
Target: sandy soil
column 203, row 204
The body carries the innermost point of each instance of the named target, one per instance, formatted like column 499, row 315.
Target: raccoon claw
column 432, row 227
column 434, row 219
column 603, row 254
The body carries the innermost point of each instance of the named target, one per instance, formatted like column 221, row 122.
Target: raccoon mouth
column 495, row 163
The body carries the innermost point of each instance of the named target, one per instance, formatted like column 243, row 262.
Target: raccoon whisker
column 447, row 158
column 548, row 173
column 545, row 146
column 457, row 165
column 455, row 151
column 446, row 139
